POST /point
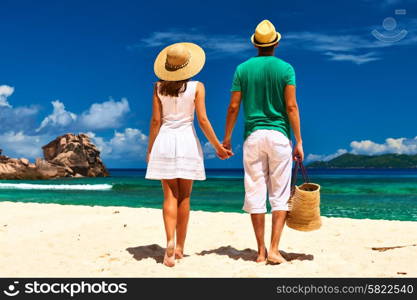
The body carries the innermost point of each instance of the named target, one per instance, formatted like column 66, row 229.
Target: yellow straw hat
column 179, row 61
column 265, row 35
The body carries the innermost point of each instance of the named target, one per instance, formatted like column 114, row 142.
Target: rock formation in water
column 69, row 155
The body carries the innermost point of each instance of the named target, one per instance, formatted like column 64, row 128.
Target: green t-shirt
column 262, row 80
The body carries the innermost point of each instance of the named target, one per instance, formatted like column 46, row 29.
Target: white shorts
column 267, row 158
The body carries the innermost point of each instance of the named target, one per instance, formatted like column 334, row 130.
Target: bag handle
column 299, row 164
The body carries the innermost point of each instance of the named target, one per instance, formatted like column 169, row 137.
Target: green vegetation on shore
column 349, row 160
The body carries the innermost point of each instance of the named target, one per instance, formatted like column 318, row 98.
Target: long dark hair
column 172, row 88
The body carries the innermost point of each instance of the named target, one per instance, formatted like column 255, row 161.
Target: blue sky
column 87, row 66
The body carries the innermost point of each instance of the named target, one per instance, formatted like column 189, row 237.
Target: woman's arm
column 156, row 121
column 205, row 125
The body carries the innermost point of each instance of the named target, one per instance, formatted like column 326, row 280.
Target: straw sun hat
column 179, row 61
column 265, row 35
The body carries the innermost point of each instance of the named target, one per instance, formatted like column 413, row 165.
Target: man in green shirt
column 266, row 86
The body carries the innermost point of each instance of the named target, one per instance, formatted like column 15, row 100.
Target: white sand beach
column 50, row 240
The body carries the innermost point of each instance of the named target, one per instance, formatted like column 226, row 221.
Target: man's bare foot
column 179, row 253
column 262, row 255
column 169, row 257
column 276, row 258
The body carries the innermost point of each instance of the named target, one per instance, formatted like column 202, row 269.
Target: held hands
column 298, row 152
column 227, row 144
column 223, row 153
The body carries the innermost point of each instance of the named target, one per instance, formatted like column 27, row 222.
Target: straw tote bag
column 304, row 203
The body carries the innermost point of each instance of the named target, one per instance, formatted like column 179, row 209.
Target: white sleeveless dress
column 177, row 152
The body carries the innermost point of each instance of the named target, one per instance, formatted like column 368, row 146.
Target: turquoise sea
column 355, row 193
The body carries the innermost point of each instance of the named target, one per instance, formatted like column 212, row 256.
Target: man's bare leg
column 258, row 222
column 278, row 221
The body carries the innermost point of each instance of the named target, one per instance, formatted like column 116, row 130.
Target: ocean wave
column 30, row 186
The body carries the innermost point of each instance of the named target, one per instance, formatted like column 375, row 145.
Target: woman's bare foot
column 179, row 253
column 262, row 255
column 275, row 257
column 169, row 257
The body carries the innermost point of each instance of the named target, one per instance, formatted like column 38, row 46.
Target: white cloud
column 318, row 157
column 318, row 41
column 346, row 41
column 19, row 137
column 338, row 46
column 216, row 45
column 17, row 118
column 352, row 44
column 129, row 144
column 105, row 115
column 356, row 45
column 355, row 58
column 209, row 151
column 5, row 92
column 368, row 147
column 108, row 114
column 18, row 144
column 59, row 118
column 391, row 145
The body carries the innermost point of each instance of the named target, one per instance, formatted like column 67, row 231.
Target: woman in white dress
column 174, row 153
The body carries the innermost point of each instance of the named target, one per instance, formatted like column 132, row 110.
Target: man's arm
column 205, row 125
column 294, row 117
column 232, row 113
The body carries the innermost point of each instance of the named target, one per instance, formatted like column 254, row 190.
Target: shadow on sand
column 296, row 256
column 153, row 251
column 250, row 254
column 156, row 252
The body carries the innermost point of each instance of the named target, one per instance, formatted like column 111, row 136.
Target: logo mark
column 391, row 34
column 11, row 290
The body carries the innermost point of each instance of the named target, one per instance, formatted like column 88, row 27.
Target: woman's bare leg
column 171, row 195
column 185, row 188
